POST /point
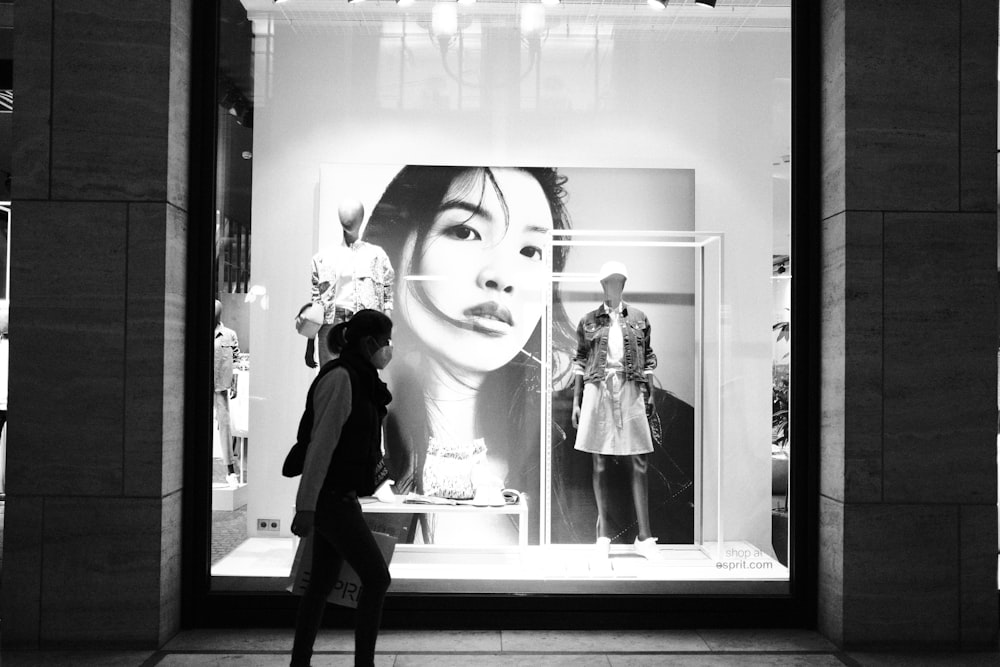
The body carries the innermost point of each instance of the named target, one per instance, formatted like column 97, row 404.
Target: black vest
column 358, row 452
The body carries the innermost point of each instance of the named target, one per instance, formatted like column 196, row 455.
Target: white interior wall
column 688, row 101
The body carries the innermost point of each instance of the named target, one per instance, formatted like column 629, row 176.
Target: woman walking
column 344, row 412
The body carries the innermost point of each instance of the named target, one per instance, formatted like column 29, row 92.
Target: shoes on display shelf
column 648, row 548
column 489, row 497
column 599, row 562
column 603, row 548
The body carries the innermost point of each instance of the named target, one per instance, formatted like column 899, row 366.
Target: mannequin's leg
column 640, row 493
column 225, row 431
column 601, row 493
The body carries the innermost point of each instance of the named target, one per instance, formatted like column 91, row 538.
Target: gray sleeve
column 331, row 406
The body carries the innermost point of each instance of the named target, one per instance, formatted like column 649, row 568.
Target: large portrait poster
column 487, row 303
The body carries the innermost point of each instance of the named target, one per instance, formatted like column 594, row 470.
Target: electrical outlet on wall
column 270, row 525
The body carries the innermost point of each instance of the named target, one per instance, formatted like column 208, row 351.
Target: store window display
column 347, row 278
column 490, row 279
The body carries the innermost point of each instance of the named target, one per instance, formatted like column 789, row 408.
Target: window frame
column 201, row 607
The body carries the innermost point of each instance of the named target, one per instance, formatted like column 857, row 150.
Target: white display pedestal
column 226, row 499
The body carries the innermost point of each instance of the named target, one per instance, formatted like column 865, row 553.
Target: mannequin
column 347, row 278
column 227, row 352
column 611, row 398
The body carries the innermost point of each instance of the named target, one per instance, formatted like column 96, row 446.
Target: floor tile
column 500, row 660
column 75, row 658
column 765, row 640
column 229, row 660
column 263, row 660
column 734, row 659
column 925, row 659
column 622, row 641
column 340, row 639
column 236, row 640
column 439, row 641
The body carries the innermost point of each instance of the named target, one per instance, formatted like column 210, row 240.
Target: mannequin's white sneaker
column 648, row 548
column 233, row 480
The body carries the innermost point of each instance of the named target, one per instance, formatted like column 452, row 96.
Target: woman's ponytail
column 337, row 338
column 364, row 323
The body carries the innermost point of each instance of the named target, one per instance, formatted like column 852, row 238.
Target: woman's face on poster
column 482, row 269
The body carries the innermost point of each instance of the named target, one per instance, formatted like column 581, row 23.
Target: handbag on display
column 347, row 588
column 309, row 320
column 449, row 467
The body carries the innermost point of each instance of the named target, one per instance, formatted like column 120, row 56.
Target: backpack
column 295, row 460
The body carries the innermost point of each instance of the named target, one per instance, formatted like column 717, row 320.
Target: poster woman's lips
column 490, row 311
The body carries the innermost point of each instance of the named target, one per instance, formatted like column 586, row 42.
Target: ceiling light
column 444, row 19
column 705, row 3
column 657, row 4
column 532, row 19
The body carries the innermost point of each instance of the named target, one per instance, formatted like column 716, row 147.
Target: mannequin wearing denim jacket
column 612, row 365
column 592, row 332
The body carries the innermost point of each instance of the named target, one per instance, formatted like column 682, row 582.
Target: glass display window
column 585, row 371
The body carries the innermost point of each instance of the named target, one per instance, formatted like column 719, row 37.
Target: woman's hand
column 302, row 524
column 576, row 415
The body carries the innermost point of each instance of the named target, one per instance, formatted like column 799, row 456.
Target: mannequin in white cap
column 613, row 365
column 348, row 278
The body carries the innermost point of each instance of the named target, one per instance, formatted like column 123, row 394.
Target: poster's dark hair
column 408, row 206
column 364, row 323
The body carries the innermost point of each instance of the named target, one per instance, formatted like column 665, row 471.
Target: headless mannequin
column 613, row 287
column 351, row 214
column 225, row 388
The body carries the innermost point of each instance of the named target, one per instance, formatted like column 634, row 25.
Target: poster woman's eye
column 532, row 252
column 464, row 233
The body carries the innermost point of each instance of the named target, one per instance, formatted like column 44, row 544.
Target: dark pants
column 342, row 535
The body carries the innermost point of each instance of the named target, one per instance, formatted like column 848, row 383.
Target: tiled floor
column 229, row 530
column 508, row 648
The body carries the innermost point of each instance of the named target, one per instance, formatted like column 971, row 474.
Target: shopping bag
column 347, row 588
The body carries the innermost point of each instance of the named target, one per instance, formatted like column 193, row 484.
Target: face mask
column 382, row 356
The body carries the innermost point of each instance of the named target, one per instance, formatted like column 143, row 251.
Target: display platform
column 400, row 505
column 226, row 498
column 264, row 563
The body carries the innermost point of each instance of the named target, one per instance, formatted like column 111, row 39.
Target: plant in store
column 779, row 390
